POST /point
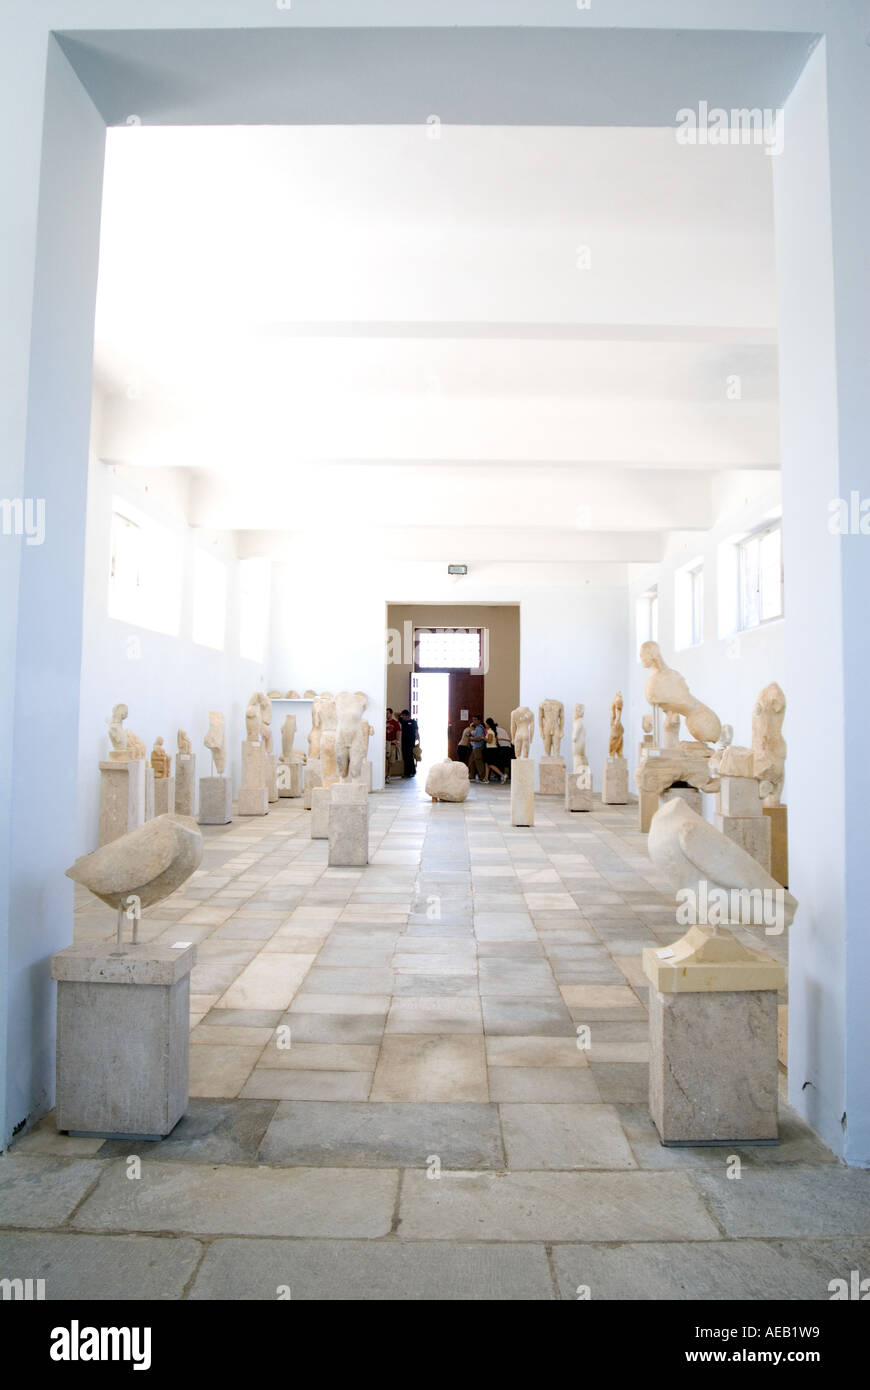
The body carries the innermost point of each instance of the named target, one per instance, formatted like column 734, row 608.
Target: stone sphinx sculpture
column 183, row 743
column 148, row 863
column 216, row 741
column 349, row 739
column 617, row 732
column 522, row 730
column 578, row 739
column 120, row 752
column 668, row 690
column 768, row 745
column 551, row 723
column 160, row 759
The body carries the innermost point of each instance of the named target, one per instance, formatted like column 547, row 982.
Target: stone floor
column 433, row 1130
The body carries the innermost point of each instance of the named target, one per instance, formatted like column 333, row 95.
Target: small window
column 648, row 617
column 449, row 649
column 689, row 605
column 209, row 600
column 145, row 571
column 759, row 577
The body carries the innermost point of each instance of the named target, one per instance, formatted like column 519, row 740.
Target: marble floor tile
column 105, row 1268
column 565, row 1136
column 269, row 982
column 219, row 1070
column 435, row 1014
column 548, row 1085
column 275, row 1083
column 427, row 1067
column 384, row 1135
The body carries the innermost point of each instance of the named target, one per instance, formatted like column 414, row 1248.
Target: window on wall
column 255, row 579
column 446, row 649
column 689, row 605
column 648, row 617
column 759, row 577
column 209, row 600
column 145, row 571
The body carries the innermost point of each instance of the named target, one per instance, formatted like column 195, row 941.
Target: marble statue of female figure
column 578, row 738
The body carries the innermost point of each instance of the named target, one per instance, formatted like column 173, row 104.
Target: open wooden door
column 465, row 699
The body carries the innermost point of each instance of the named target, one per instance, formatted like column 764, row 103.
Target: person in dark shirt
column 410, row 736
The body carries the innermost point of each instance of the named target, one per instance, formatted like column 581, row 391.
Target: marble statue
column 578, row 739
column 671, row 730
column 691, row 852
column 617, row 732
column 310, row 695
column 323, row 717
column 329, row 773
column 349, row 741
column 160, row 759
column 367, row 731
column 725, row 740
column 288, row 734
column 551, row 723
column 216, row 741
column 266, row 716
column 253, row 720
column 522, row 730
column 118, row 735
column 768, row 744
column 735, row 761
column 668, row 689
column 183, row 743
column 150, row 862
column 135, row 746
column 292, row 695
column 447, row 781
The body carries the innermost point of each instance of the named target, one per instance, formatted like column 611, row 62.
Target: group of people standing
column 402, row 743
column 486, row 748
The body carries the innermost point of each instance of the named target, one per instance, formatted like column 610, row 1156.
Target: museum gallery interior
column 436, row 524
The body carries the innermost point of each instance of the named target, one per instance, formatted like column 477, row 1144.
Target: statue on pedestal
column 617, row 732
column 215, row 741
column 522, row 730
column 551, row 724
column 768, row 744
column 183, row 744
column 578, row 739
column 160, row 759
column 667, row 689
column 118, row 735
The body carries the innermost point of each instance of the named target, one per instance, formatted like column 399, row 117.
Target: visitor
column 463, row 747
column 410, row 739
column 476, row 763
column 505, row 750
column 491, row 754
column 393, row 750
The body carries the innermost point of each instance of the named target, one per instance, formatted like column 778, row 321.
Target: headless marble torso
column 522, row 730
column 551, row 722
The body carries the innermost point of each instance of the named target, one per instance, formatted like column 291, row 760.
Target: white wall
column 723, row 671
column 167, row 682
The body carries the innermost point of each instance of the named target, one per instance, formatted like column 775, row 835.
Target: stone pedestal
column 690, row 795
column 614, row 783
column 647, row 805
column 321, row 798
column 522, row 791
column 149, row 792
column 291, row 778
column 740, row 817
column 253, row 801
column 215, row 801
column 551, row 776
column 348, row 824
column 164, row 796
column 185, row 784
column 578, row 790
column 713, row 1040
column 313, row 778
column 366, row 777
column 122, row 798
column 778, row 818
column 123, row 1028
column 254, row 792
column 271, row 761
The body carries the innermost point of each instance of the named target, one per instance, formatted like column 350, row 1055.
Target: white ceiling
column 288, row 310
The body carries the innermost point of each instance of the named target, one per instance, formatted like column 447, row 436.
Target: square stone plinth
column 713, row 1066
column 321, row 798
column 313, row 778
column 551, row 777
column 123, row 1028
column 271, row 762
column 348, row 829
column 751, row 833
column 253, row 801
column 291, row 779
column 215, row 801
column 164, row 796
column 738, row 796
column 122, row 798
column 690, row 795
column 366, row 776
column 149, row 791
column 185, row 784
column 578, row 791
column 522, row 791
column 647, row 805
column 614, row 784
column 778, row 817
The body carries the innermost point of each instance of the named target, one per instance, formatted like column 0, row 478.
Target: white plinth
column 522, row 791
column 751, row 833
column 272, row 776
column 348, row 824
column 215, row 801
column 578, row 790
column 313, row 778
column 149, row 792
column 367, row 776
column 551, row 776
column 253, row 801
column 320, row 802
column 122, row 799
column 123, row 1029
column 291, row 779
column 614, row 783
column 738, row 796
column 164, row 796
column 185, row 784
